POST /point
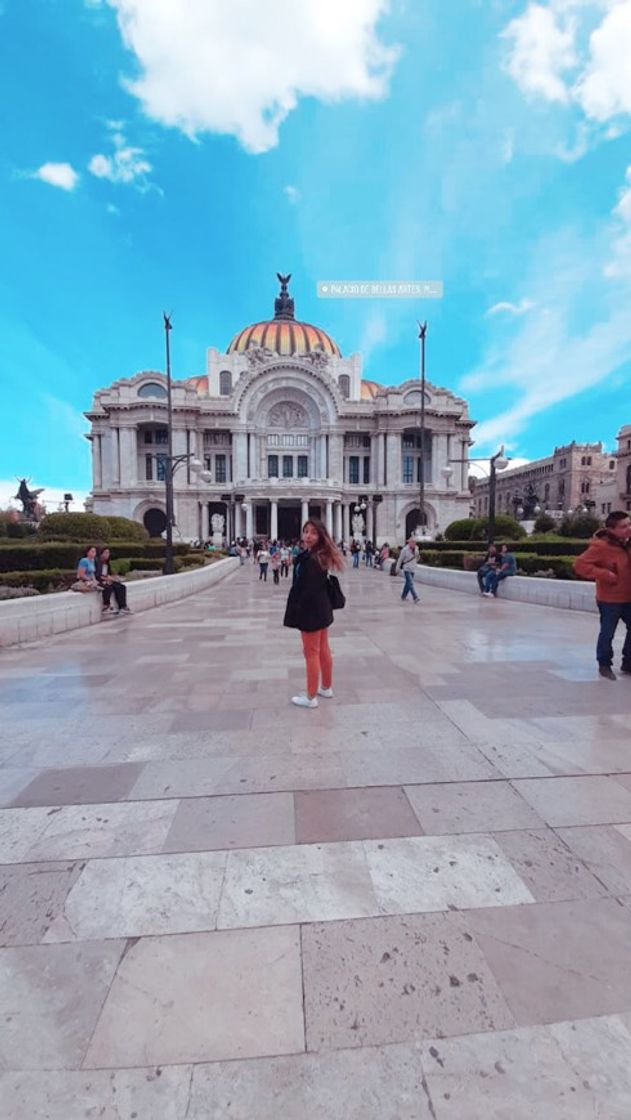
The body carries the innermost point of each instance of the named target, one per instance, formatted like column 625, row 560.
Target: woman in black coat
column 309, row 609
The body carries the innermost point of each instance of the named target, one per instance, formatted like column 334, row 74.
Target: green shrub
column 560, row 565
column 476, row 529
column 48, row 579
column 544, row 523
column 38, row 557
column 544, row 545
column 120, row 567
column 15, row 530
column 583, row 525
column 90, row 527
column 146, row 564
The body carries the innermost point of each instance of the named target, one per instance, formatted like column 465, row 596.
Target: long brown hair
column 326, row 551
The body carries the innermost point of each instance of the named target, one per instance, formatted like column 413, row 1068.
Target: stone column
column 240, row 455
column 369, row 522
column 249, row 527
column 115, row 460
column 238, row 530
column 336, row 453
column 254, row 451
column 97, row 475
column 273, row 525
column 329, row 515
column 304, row 513
column 393, row 458
column 128, row 456
column 337, row 521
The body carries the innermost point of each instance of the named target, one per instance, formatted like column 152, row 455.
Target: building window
column 612, row 464
column 288, row 466
column 220, row 468
column 225, row 383
column 408, row 468
column 152, row 389
column 272, row 466
column 546, row 493
column 353, row 470
column 208, row 463
column 366, row 469
column 148, row 468
column 344, row 383
column 303, row 466
column 148, row 437
column 161, row 467
column 162, row 436
column 584, row 487
column 629, row 479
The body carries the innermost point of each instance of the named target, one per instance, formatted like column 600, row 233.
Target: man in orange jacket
column 607, row 560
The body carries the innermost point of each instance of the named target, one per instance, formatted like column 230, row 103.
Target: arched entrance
column 413, row 520
column 155, row 522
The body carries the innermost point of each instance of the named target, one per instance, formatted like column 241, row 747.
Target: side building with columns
column 287, row 428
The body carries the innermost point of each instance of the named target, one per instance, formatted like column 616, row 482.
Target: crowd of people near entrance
column 278, row 556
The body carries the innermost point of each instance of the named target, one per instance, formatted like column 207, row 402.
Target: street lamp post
column 172, row 462
column 497, row 462
column 422, row 332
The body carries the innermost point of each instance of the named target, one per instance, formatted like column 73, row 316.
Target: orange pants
column 319, row 660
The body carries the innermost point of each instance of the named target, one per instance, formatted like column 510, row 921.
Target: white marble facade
column 286, row 427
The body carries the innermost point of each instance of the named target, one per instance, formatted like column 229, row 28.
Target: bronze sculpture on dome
column 283, row 304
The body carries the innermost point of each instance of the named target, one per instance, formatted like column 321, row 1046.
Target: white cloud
column 240, row 68
column 61, row 175
column 112, row 209
column 578, row 335
column 125, row 165
column 520, row 308
column 591, row 39
column 293, row 194
column 374, row 332
column 604, row 89
column 542, row 51
column 620, row 263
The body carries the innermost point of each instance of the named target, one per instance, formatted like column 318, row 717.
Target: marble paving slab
column 389, row 979
column 558, row 960
column 31, row 897
column 306, row 883
column 140, row 896
column 147, row 1094
column 470, row 807
column 569, row 1071
column 250, row 820
column 50, row 999
column 575, row 801
column 202, row 997
column 425, row 873
column 76, row 832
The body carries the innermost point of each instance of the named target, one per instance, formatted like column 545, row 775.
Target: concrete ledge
column 570, row 594
column 27, row 620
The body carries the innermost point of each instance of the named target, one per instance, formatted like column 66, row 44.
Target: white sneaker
column 328, row 692
column 488, row 594
column 304, row 701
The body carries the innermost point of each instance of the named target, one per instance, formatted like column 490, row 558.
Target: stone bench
column 575, row 595
column 27, row 620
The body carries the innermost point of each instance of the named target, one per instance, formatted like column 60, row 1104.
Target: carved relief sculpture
column 287, row 415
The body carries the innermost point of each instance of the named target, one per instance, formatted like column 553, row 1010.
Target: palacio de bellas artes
column 285, row 427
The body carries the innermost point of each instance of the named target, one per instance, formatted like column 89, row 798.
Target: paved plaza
column 412, row 903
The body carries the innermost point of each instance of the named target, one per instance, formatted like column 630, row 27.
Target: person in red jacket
column 607, row 560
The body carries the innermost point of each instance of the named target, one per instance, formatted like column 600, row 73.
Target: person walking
column 407, row 564
column 607, row 560
column 505, row 566
column 309, row 609
column 369, row 553
column 263, row 563
column 285, row 557
column 275, row 565
column 355, row 552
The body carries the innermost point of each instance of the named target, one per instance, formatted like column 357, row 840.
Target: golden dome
column 284, row 334
column 369, row 390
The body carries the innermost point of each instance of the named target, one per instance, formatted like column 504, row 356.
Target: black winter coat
column 308, row 603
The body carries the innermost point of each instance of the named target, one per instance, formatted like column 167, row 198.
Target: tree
column 545, row 523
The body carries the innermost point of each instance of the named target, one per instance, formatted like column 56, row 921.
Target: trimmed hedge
column 555, row 547
column 476, row 528
column 59, row 554
column 527, row 562
column 90, row 526
column 48, row 579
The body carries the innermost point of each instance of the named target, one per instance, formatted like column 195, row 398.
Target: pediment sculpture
column 287, row 415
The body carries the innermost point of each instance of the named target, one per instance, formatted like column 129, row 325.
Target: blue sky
column 177, row 153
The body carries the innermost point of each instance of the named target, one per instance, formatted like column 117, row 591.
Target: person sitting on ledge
column 110, row 584
column 488, row 565
column 506, row 566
